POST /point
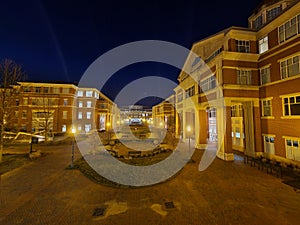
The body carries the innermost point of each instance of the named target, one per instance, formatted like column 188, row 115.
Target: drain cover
column 99, row 212
column 169, row 205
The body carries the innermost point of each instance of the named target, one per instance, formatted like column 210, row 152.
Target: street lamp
column 73, row 145
column 189, row 130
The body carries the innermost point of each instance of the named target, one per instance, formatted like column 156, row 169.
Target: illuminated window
column 64, row 128
column 89, row 104
column 263, row 45
column 88, row 115
column 269, row 146
column 65, row 102
column 80, row 104
column 79, row 115
column 89, row 93
column 292, row 148
column 79, row 93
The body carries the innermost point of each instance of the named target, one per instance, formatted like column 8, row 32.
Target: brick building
column 251, row 93
column 58, row 108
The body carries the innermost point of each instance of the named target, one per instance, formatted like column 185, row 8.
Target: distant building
column 255, row 71
column 135, row 111
column 59, row 107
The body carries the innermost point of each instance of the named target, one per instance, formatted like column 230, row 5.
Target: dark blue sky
column 58, row 40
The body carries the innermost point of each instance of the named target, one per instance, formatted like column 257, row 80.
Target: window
column 237, row 110
column 79, row 93
column 89, row 104
column 16, row 114
column 292, row 148
column 263, row 45
column 17, row 102
column 27, row 89
column 291, row 106
column 25, row 101
column 87, row 127
column 212, row 56
column 64, row 128
column 179, row 96
column 269, row 147
column 272, row 13
column 80, row 104
column 79, row 115
column 37, row 89
column 65, row 90
column 79, row 128
column 24, row 114
column 265, row 75
column 65, row 115
column 46, row 89
column 190, row 92
column 289, row 29
column 290, row 67
column 207, row 84
column 96, row 95
column 56, row 90
column 257, row 23
column 244, row 77
column 88, row 115
column 266, row 107
column 242, row 46
column 89, row 93
column 65, row 102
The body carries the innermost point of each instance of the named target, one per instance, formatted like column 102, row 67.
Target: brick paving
column 44, row 192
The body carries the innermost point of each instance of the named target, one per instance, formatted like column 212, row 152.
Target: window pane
column 295, row 144
column 295, row 109
column 288, row 142
column 267, row 139
column 286, row 110
column 271, row 140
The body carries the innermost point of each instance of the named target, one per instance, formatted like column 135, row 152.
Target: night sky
column 58, row 40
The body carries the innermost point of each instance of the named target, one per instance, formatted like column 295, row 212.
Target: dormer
column 267, row 11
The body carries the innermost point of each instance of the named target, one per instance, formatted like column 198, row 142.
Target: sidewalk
column 43, row 192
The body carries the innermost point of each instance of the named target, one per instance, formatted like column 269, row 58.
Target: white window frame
column 263, row 44
column 79, row 115
column 88, row 115
column 208, row 84
column 80, row 93
column 89, row 93
column 89, row 104
column 288, row 65
column 287, row 101
column 243, row 74
column 269, row 143
column 292, row 148
column 242, row 46
column 80, row 104
column 293, row 23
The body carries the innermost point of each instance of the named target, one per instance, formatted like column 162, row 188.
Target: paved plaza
column 45, row 192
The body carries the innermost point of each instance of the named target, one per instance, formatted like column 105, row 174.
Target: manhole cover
column 99, row 212
column 169, row 205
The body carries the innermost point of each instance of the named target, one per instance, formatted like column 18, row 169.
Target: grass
column 13, row 161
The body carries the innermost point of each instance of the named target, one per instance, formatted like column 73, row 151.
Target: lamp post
column 189, row 130
column 73, row 145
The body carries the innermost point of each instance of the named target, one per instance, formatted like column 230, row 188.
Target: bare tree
column 43, row 114
column 10, row 74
